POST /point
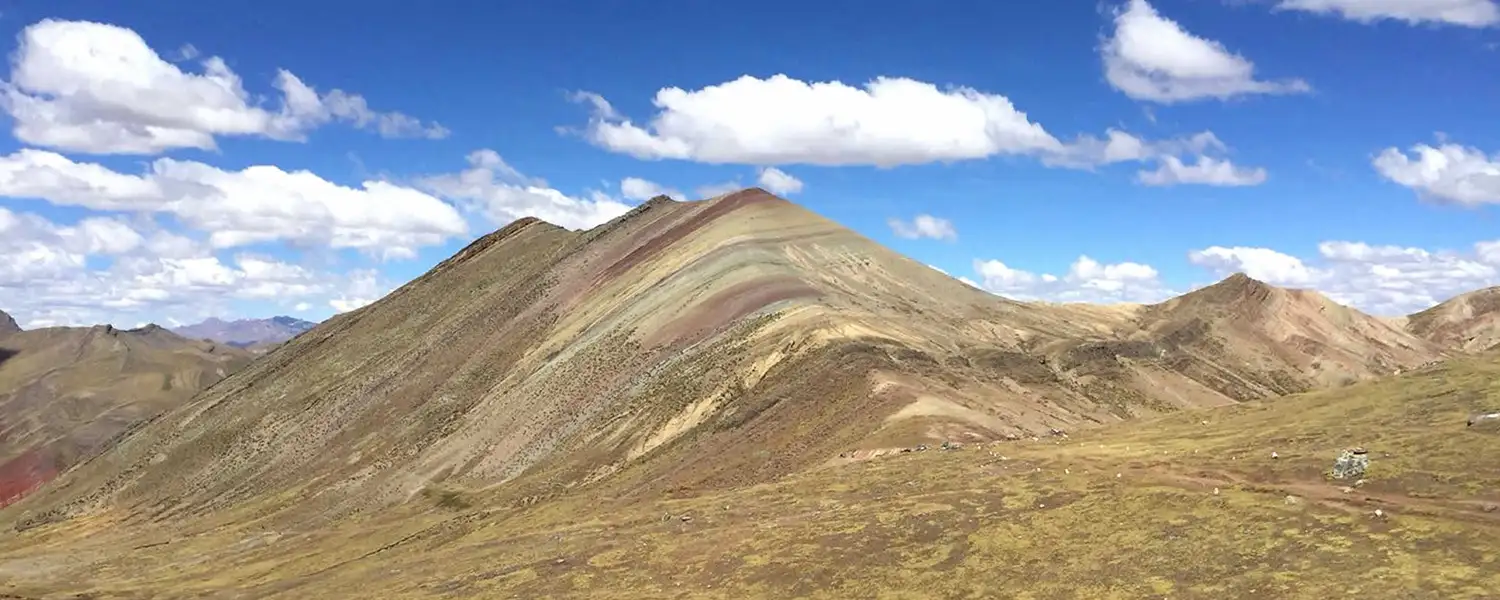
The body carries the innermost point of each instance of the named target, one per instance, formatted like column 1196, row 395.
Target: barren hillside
column 689, row 346
column 1467, row 323
column 66, row 393
column 1247, row 339
column 1230, row 502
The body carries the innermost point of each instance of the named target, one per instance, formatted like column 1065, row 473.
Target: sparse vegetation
column 709, row 400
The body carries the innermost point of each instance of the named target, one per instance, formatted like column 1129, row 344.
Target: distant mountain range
column 243, row 333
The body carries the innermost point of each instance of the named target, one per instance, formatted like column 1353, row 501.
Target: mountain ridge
column 66, row 393
column 1469, row 322
column 667, row 349
column 244, row 333
column 683, row 350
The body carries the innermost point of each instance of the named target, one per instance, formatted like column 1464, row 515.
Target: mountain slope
column 67, row 393
column 1468, row 322
column 1236, row 340
column 1231, row 502
column 1285, row 340
column 244, row 333
column 672, row 348
column 681, row 347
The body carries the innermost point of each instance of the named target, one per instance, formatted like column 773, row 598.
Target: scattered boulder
column 1351, row 464
column 1486, row 421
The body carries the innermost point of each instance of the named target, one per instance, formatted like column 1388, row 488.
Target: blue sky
column 1171, row 142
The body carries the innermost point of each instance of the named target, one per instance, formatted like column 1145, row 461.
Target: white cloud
column 503, row 194
column 1470, row 13
column 38, row 249
column 364, row 288
column 257, row 204
column 1450, row 173
column 887, row 122
column 890, row 121
column 1264, row 264
column 105, row 270
column 635, row 188
column 1207, row 166
column 778, row 181
column 1206, row 171
column 923, row 226
column 1087, row 280
column 91, row 87
column 719, row 189
column 1384, row 280
column 1150, row 57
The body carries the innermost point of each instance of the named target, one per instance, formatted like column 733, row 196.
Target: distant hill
column 1244, row 339
column 243, row 333
column 1467, row 322
column 66, row 393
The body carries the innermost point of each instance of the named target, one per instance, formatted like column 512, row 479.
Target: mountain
column 739, row 348
column 66, row 393
column 668, row 349
column 1221, row 503
column 1468, row 322
column 244, row 333
column 7, row 324
column 1248, row 339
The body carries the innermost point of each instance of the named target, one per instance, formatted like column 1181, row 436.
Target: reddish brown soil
column 23, row 474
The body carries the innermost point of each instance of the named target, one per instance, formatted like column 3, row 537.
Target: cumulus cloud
column 1447, row 173
column 1087, row 280
column 1151, row 57
column 1264, row 264
column 635, row 188
column 923, row 226
column 104, row 270
column 1469, row 13
column 364, row 287
column 778, row 181
column 1208, row 164
column 493, row 188
column 256, row 204
column 1120, row 146
column 91, row 87
column 1380, row 279
column 1205, row 171
column 887, row 122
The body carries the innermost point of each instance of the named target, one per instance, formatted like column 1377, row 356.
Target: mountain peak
column 7, row 323
column 1469, row 322
column 1238, row 292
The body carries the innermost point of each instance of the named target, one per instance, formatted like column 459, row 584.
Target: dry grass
column 1119, row 512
